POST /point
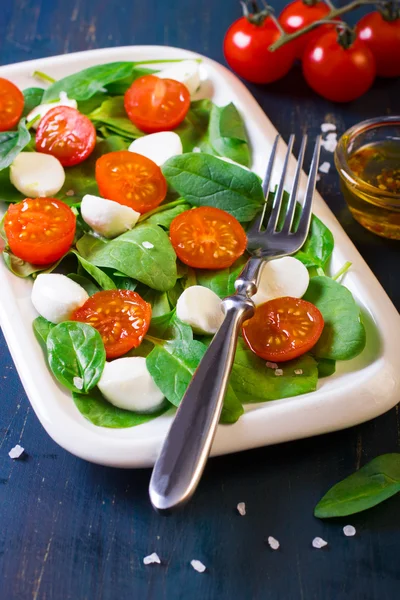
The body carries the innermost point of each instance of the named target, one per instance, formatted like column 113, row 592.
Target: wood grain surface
column 70, row 530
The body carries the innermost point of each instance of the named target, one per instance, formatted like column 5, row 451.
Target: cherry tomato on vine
column 11, row 104
column 121, row 317
column 246, row 51
column 67, row 134
column 300, row 13
column 336, row 69
column 39, row 230
column 155, row 104
column 382, row 36
column 283, row 328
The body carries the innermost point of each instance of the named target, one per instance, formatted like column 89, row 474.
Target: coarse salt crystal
column 271, row 365
column 330, row 142
column 198, row 566
column 78, row 382
column 147, row 245
column 274, row 544
column 151, row 559
column 16, row 452
column 349, row 530
column 324, row 168
column 325, row 127
column 298, row 371
column 318, row 177
column 70, row 193
column 196, row 149
column 241, row 508
column 278, row 372
column 319, row 543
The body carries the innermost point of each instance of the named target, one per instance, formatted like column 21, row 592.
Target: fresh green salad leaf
column 32, row 98
column 8, row 193
column 23, row 269
column 113, row 115
column 12, row 142
column 221, row 281
column 154, row 266
column 326, row 367
column 95, row 408
column 101, row 278
column 42, row 328
column 87, row 284
column 227, row 134
column 76, row 355
column 169, row 327
column 375, row 482
column 88, row 106
column 318, row 246
column 232, row 408
column 193, row 130
column 164, row 215
column 343, row 336
column 205, row 180
column 119, row 87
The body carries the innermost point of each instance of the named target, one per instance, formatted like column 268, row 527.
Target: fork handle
column 184, row 454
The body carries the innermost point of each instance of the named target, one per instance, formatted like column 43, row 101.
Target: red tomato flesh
column 40, row 230
column 66, row 134
column 207, row 238
column 283, row 329
column 121, row 317
column 11, row 104
column 155, row 104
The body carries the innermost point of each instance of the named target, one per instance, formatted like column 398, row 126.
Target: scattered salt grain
column 198, row 566
column 274, row 544
column 319, row 543
column 147, row 245
column 318, row 177
column 271, row 365
column 16, row 452
column 241, row 508
column 324, row 168
column 70, row 193
column 325, row 127
column 330, row 142
column 151, row 559
column 349, row 530
column 78, row 382
column 298, row 371
column 196, row 149
column 278, row 372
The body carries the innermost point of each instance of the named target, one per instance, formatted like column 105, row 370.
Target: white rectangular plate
column 360, row 389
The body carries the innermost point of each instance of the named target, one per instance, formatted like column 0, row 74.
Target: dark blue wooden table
column 72, row 530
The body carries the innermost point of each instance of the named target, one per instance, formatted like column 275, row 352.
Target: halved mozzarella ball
column 55, row 296
column 126, row 383
column 200, row 308
column 159, row 147
column 36, row 175
column 187, row 72
column 42, row 109
column 282, row 277
column 107, row 217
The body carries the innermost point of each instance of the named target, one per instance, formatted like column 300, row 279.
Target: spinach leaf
column 204, row 180
column 227, row 134
column 155, row 266
column 113, row 115
column 95, row 408
column 8, row 193
column 32, row 98
column 221, row 281
column 23, row 269
column 326, row 367
column 42, row 328
column 193, row 130
column 169, row 327
column 253, row 381
column 87, row 284
column 232, row 408
column 166, row 213
column 119, row 87
column 175, row 292
column 343, row 336
column 12, row 142
column 76, row 355
column 101, row 278
column 158, row 300
column 372, row 484
column 88, row 106
column 318, row 246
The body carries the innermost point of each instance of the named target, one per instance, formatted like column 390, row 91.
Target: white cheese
column 282, row 277
column 200, row 308
column 187, row 72
column 159, row 147
column 36, row 175
column 43, row 109
column 55, row 296
column 107, row 217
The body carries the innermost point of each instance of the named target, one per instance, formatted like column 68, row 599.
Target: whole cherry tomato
column 339, row 66
column 246, row 51
column 300, row 13
column 381, row 33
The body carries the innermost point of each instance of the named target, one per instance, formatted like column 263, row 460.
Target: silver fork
column 184, row 454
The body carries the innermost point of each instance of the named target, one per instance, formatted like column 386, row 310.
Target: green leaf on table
column 101, row 278
column 326, row 367
column 193, row 129
column 42, row 328
column 343, row 336
column 112, row 114
column 372, row 484
column 227, row 134
column 205, row 180
column 154, row 266
column 96, row 409
column 87, row 284
column 221, row 281
column 12, row 143
column 76, row 355
column 32, row 98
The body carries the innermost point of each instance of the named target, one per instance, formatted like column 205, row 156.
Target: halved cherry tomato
column 131, row 179
column 283, row 328
column 11, row 104
column 155, row 104
column 207, row 238
column 66, row 134
column 121, row 317
column 40, row 230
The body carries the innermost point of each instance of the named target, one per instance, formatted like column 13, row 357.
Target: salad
column 129, row 195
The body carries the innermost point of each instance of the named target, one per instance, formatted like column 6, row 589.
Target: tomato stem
column 44, row 76
column 256, row 16
column 390, row 11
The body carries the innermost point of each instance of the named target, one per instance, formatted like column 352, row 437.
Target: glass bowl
column 375, row 205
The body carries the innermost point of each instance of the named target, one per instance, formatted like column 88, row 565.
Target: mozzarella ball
column 37, row 175
column 187, row 72
column 282, row 277
column 42, row 109
column 107, row 217
column 126, row 383
column 200, row 308
column 55, row 296
column 159, row 147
